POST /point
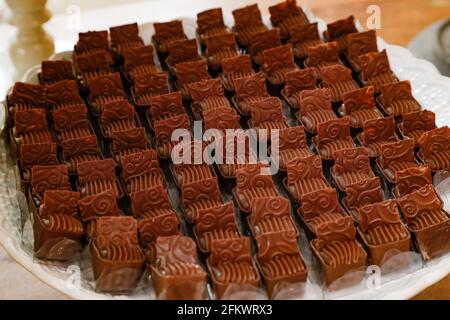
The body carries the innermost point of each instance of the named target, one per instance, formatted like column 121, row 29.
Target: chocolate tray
column 429, row 88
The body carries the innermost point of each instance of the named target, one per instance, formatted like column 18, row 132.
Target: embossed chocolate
column 339, row 80
column 269, row 215
column 261, row 41
column 266, row 114
column 315, row 107
column 56, row 70
column 139, row 61
column 176, row 273
column 338, row 252
column 79, row 150
column 99, row 205
column 36, row 154
column 231, row 263
column 182, row 51
column 338, row 31
column 117, row 116
column 29, row 121
column 69, row 117
column 190, row 72
column 97, row 176
column 435, row 148
column 129, row 141
column 92, row 41
column 163, row 133
column 292, row 144
column 396, row 99
column 105, row 89
column 296, row 81
column 207, row 95
column 198, row 195
column 286, row 14
column 150, row 202
column 149, row 85
column 411, row 179
column 248, row 90
column 375, row 70
column 376, row 133
column 221, row 118
column 427, row 221
column 252, row 183
column 322, row 55
column 166, row 33
column 360, row 43
column 163, row 225
column 277, row 62
column 247, row 21
column 195, row 171
column 165, row 106
column 140, row 170
column 210, row 23
column 382, row 231
column 362, row 193
column 63, row 93
column 94, row 62
column 125, row 37
column 303, row 36
column 280, row 260
column 395, row 157
column 220, row 47
column 117, row 259
column 351, row 166
column 333, row 135
column 235, row 68
column 53, row 177
column 56, row 229
column 304, row 175
column 359, row 105
column 27, row 95
column 213, row 224
column 319, row 207
column 415, row 123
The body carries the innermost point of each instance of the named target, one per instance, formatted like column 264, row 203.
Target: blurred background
column 420, row 25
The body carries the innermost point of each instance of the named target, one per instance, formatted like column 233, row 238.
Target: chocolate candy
column 338, row 252
column 182, row 51
column 303, row 36
column 376, row 133
column 190, row 72
column 247, row 20
column 117, row 258
column 249, row 89
column 117, row 116
column 396, row 99
column 360, row 43
column 333, row 135
column 285, row 15
column 79, row 150
column 304, row 175
column 56, row 228
column 176, row 273
column 277, row 62
column 163, row 133
column 139, row 61
column 230, row 264
column 234, row 68
column 338, row 79
column 220, row 47
column 150, row 202
column 411, row 179
column 359, row 105
column 125, row 37
column 351, row 166
column 415, row 123
column 375, row 70
column 207, row 95
column 292, row 144
column 427, row 221
column 261, row 41
column 382, row 232
column 128, row 141
column 146, row 86
column 217, row 223
column 296, row 82
column 165, row 106
column 210, row 23
column 435, row 148
column 97, row 176
column 338, row 31
column 56, row 70
column 315, row 107
column 92, row 41
column 99, row 205
column 266, row 115
column 166, row 33
column 322, row 55
column 52, row 177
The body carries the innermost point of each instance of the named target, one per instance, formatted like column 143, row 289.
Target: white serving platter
column 430, row 88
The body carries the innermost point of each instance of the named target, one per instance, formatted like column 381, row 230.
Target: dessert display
column 96, row 143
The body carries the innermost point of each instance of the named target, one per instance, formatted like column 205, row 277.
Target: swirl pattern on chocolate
column 96, row 170
column 175, row 250
column 361, row 43
column 230, row 251
column 423, row 199
column 190, row 72
column 208, row 19
column 60, row 202
column 348, row 160
column 124, row 33
column 304, row 32
column 303, row 168
column 363, row 192
column 341, row 27
column 219, row 218
column 278, row 58
column 116, row 110
column 56, row 70
column 106, row 86
column 377, row 214
column 276, row 244
column 374, row 64
column 183, row 50
column 168, row 30
column 382, row 129
column 160, row 226
column 320, row 202
column 99, row 205
column 138, row 163
column 411, row 179
column 281, row 11
column 221, row 118
column 249, row 176
column 311, row 100
column 154, row 83
column 138, row 56
column 292, row 138
column 54, row 177
column 268, row 208
column 323, row 53
column 115, row 231
column 419, row 120
column 79, row 146
column 219, row 42
column 94, row 61
column 28, row 94
column 92, row 40
column 268, row 109
column 73, row 116
column 203, row 190
column 335, row 73
column 145, row 202
column 297, row 80
column 359, row 99
column 32, row 120
column 396, row 152
column 201, row 90
column 334, row 129
column 251, row 86
column 247, row 16
column 131, row 138
column 400, row 90
column 434, row 141
column 241, row 63
column 341, row 229
column 37, row 154
column 164, row 128
column 62, row 93
column 264, row 40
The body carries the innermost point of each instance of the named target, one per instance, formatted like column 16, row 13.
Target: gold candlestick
column 32, row 44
